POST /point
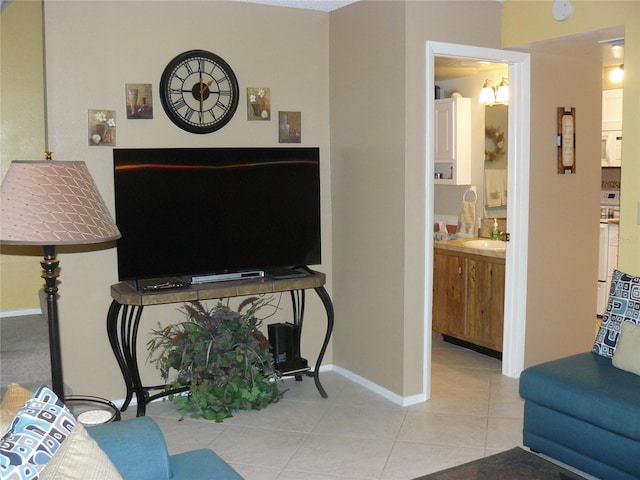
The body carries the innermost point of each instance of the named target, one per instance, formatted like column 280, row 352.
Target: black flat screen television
column 202, row 211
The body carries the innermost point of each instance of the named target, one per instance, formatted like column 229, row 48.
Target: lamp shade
column 53, row 203
column 487, row 94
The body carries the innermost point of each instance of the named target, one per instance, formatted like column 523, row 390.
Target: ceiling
column 606, row 44
column 324, row 5
column 447, row 68
column 591, row 43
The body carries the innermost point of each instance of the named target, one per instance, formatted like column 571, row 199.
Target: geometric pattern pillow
column 36, row 433
column 623, row 305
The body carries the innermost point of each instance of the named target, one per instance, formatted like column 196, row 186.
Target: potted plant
column 221, row 355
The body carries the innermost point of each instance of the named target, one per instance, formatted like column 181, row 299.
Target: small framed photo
column 139, row 102
column 258, row 103
column 289, row 127
column 102, row 128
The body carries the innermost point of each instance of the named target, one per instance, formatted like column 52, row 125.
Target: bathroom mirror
column 496, row 122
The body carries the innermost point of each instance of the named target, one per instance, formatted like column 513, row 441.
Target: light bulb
column 486, row 94
column 617, row 74
column 502, row 95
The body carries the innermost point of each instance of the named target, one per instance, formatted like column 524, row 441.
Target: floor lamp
column 51, row 203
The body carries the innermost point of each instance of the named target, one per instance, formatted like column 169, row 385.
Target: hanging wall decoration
column 139, row 101
column 258, row 103
column 290, row 127
column 566, row 140
column 102, row 128
column 494, row 143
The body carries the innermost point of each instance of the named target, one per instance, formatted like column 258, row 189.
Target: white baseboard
column 369, row 385
column 21, row 312
column 383, row 392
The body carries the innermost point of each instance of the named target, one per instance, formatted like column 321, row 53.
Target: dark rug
column 514, row 464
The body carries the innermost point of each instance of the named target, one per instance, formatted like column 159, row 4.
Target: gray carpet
column 24, row 352
column 514, row 464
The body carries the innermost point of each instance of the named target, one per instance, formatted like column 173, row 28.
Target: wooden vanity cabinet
column 449, row 288
column 468, row 297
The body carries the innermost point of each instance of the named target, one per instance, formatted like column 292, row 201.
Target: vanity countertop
column 458, row 246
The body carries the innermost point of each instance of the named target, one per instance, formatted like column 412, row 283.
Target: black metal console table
column 125, row 313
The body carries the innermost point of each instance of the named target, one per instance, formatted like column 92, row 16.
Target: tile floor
column 356, row 434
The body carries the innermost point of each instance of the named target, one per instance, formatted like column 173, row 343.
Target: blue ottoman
column 585, row 412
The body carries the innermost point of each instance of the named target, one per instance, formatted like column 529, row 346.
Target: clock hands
column 204, row 87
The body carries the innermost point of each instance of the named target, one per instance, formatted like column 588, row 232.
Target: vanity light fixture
column 502, row 93
column 617, row 74
column 487, row 94
column 492, row 94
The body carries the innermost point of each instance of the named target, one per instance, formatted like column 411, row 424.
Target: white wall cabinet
column 611, row 148
column 612, row 109
column 452, row 158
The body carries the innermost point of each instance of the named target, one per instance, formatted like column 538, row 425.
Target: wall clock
column 199, row 91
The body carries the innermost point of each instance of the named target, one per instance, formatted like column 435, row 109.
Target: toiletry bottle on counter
column 495, row 233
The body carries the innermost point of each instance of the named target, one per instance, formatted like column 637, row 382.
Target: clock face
column 199, row 91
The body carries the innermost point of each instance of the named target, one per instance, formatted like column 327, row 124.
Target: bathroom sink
column 493, row 245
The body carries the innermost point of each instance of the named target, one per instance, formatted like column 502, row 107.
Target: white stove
column 609, row 205
column 608, row 244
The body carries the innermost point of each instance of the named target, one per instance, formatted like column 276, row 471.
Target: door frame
column 517, row 186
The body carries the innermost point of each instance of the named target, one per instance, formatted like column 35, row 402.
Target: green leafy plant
column 221, row 355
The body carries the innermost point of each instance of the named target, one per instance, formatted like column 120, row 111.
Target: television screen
column 202, row 211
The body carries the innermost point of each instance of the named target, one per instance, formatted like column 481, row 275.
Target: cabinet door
column 485, row 301
column 445, row 123
column 449, row 273
column 452, row 141
column 612, row 109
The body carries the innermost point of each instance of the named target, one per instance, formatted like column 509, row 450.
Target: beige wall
column 563, row 210
column 378, row 153
column 374, row 53
column 22, row 133
column 531, row 21
column 93, row 49
column 367, row 169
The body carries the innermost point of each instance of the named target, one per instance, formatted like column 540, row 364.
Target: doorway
column 518, row 188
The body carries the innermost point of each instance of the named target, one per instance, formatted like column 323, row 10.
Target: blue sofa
column 585, row 412
column 137, row 449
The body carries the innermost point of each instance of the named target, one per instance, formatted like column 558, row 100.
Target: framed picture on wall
column 102, row 128
column 139, row 102
column 290, row 127
column 259, row 103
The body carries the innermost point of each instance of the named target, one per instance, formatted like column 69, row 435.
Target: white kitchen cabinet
column 612, row 109
column 452, row 159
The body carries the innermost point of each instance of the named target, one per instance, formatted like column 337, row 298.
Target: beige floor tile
column 341, row 456
column 182, row 436
column 362, row 422
column 354, row 394
column 251, row 472
column 257, row 446
column 294, row 475
column 357, row 434
column 411, row 460
column 305, row 390
column 289, row 415
column 444, row 429
column 504, row 433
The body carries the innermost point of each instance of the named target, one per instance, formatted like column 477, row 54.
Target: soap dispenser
column 495, row 233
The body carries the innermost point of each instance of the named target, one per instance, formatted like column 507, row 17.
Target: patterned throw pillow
column 13, row 400
column 36, row 433
column 623, row 305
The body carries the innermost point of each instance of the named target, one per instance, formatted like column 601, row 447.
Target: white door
column 518, row 187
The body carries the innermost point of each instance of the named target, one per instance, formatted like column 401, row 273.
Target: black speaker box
column 285, row 347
